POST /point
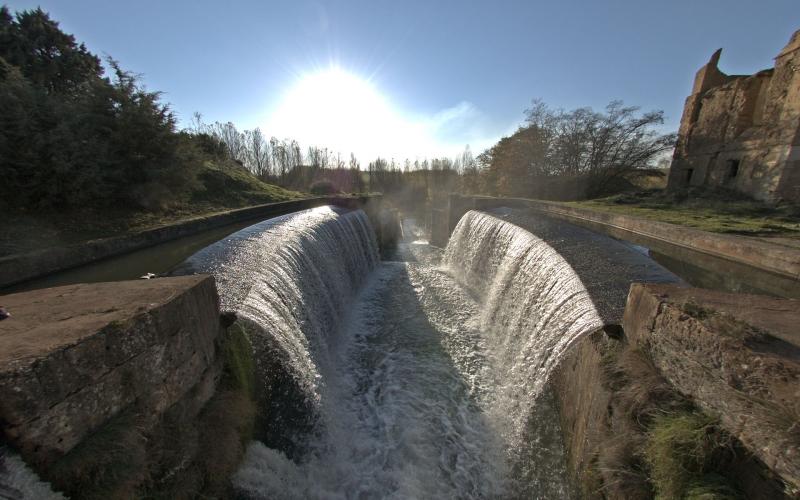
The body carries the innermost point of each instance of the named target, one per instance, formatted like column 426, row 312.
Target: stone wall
column 743, row 132
column 735, row 357
column 118, row 360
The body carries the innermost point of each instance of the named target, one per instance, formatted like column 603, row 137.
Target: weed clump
column 683, row 451
column 659, row 444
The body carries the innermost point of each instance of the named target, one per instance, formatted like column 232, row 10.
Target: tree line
column 73, row 136
column 285, row 163
column 555, row 154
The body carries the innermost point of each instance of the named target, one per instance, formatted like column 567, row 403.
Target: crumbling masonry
column 742, row 132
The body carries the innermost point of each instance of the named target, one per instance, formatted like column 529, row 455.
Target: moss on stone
column 239, row 362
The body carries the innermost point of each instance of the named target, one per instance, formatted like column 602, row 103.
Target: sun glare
column 341, row 111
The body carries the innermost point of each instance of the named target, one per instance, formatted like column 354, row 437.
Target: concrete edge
column 19, row 268
column 777, row 259
column 761, row 254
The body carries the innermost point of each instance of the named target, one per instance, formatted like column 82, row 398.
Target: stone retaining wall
column 736, row 357
column 72, row 358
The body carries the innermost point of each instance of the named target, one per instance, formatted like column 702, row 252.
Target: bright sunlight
column 347, row 113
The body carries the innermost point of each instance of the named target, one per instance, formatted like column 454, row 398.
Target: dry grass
column 658, row 444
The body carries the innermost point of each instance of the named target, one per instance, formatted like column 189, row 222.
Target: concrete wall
column 771, row 267
column 22, row 267
column 743, row 132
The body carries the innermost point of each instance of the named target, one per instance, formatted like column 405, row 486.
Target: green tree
column 48, row 57
column 70, row 137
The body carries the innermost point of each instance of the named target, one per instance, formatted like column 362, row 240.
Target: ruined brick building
column 742, row 132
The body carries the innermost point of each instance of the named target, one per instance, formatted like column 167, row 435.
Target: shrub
column 71, row 137
column 322, row 187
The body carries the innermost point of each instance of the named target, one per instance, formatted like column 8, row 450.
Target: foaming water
column 534, row 307
column 399, row 418
column 419, row 379
column 18, row 482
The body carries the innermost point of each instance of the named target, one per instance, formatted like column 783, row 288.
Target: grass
column 716, row 212
column 658, row 443
column 683, row 454
column 224, row 187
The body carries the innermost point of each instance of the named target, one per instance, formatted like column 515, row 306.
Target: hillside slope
column 222, row 185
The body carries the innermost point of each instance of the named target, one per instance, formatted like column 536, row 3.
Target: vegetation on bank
column 658, row 444
column 84, row 142
column 227, row 187
column 713, row 211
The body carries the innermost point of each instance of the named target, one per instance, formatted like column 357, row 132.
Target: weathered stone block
column 73, row 357
column 735, row 355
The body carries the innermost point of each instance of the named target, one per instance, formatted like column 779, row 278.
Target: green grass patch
column 716, row 212
column 683, row 452
column 658, row 444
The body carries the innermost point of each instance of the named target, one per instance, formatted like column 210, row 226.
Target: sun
column 341, row 111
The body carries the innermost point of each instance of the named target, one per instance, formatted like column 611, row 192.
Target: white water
column 534, row 307
column 18, row 482
column 426, row 380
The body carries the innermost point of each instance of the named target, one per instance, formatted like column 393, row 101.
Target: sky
column 411, row 79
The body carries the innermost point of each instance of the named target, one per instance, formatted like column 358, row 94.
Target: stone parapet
column 73, row 358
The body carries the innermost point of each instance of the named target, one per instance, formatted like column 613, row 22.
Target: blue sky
column 447, row 72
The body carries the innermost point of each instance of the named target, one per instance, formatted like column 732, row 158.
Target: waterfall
column 535, row 305
column 421, row 377
column 291, row 281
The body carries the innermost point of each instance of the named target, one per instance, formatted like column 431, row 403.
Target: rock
column 739, row 132
column 735, row 355
column 77, row 356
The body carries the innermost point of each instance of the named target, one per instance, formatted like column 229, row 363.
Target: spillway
column 418, row 377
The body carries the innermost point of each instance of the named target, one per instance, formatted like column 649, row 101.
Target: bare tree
column 258, row 154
